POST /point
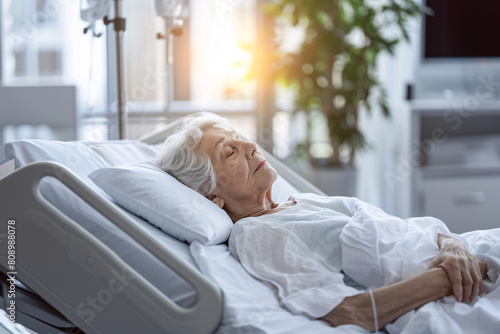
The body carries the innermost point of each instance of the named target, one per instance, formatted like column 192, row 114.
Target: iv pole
column 172, row 10
column 119, row 28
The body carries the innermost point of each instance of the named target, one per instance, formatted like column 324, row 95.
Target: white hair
column 179, row 158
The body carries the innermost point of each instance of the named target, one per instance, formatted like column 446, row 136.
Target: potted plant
column 332, row 73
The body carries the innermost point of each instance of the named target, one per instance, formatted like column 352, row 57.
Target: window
column 145, row 58
column 213, row 60
column 43, row 44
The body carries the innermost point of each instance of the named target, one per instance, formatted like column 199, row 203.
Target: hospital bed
column 85, row 264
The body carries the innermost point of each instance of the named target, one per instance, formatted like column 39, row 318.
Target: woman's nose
column 250, row 149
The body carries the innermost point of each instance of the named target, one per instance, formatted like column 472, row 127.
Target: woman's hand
column 392, row 301
column 465, row 271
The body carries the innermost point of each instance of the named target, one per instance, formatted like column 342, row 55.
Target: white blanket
column 379, row 249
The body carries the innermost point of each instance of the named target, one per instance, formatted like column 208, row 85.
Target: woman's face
column 242, row 172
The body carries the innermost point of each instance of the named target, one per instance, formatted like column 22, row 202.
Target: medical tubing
column 375, row 317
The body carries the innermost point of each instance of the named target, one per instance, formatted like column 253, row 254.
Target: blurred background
column 396, row 102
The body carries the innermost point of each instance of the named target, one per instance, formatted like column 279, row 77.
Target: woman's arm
column 391, row 301
column 465, row 271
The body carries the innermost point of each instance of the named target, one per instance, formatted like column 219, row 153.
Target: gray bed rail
column 58, row 258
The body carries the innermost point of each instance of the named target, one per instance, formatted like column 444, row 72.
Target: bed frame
column 60, row 274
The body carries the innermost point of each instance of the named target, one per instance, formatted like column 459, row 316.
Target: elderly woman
column 294, row 245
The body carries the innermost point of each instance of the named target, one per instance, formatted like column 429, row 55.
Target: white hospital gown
column 302, row 250
column 297, row 251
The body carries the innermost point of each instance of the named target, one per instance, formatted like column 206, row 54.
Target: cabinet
column 455, row 159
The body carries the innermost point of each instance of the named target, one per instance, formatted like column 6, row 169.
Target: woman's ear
column 217, row 200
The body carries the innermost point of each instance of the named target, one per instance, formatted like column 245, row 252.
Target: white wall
column 390, row 138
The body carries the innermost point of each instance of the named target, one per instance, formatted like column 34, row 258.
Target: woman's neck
column 265, row 208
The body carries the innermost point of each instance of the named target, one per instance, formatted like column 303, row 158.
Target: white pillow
column 145, row 190
column 121, row 152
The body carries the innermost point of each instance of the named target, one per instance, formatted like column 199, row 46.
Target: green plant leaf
column 349, row 69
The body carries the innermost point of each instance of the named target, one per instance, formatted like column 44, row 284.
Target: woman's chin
column 271, row 175
column 274, row 174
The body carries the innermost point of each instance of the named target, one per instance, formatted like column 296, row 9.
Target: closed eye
column 230, row 154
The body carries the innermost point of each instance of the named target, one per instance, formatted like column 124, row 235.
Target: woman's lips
column 262, row 163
